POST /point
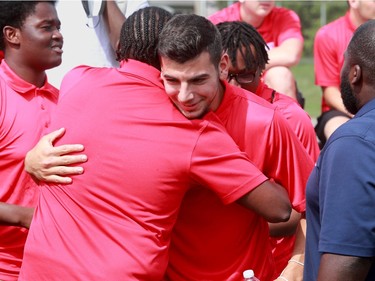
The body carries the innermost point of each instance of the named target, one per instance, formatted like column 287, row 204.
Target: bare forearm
column 294, row 269
column 288, row 54
column 114, row 19
column 14, row 215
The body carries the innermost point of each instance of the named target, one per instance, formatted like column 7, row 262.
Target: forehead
column 196, row 66
column 44, row 11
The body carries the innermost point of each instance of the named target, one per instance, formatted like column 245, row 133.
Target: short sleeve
column 218, row 164
column 347, row 196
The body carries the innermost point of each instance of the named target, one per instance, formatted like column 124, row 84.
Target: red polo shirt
column 25, row 112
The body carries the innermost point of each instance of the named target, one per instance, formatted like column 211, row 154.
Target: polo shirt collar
column 143, row 70
column 366, row 108
column 348, row 22
column 21, row 86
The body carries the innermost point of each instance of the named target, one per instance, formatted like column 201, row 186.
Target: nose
column 185, row 95
column 57, row 35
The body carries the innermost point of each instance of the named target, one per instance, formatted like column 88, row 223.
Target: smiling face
column 40, row 38
column 194, row 86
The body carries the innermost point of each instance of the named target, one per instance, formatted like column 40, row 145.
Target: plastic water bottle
column 248, row 275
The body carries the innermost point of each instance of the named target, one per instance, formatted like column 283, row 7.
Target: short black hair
column 240, row 36
column 185, row 37
column 140, row 33
column 14, row 13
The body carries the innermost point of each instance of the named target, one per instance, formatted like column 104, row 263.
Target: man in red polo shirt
column 212, row 241
column 31, row 41
column 248, row 56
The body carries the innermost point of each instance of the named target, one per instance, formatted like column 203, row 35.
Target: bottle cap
column 248, row 273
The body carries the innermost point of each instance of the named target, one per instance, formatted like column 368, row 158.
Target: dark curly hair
column 14, row 13
column 140, row 35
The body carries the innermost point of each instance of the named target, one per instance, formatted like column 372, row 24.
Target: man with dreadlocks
column 213, row 241
column 248, row 57
column 114, row 222
column 247, row 60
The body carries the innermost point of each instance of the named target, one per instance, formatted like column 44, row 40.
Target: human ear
column 357, row 74
column 11, row 35
column 223, row 66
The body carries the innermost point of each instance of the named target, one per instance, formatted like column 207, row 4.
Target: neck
column 355, row 18
column 218, row 98
column 28, row 74
column 250, row 18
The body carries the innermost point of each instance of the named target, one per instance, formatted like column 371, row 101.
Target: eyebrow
column 192, row 79
column 199, row 77
column 50, row 21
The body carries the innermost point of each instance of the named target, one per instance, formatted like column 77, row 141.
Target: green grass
column 304, row 74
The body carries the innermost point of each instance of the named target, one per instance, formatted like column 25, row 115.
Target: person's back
column 26, row 104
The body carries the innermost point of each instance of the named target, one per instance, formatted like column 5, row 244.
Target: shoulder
column 230, row 13
column 360, row 129
column 82, row 76
column 331, row 29
column 245, row 97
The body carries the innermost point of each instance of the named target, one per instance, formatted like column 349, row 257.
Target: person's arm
column 285, row 228
column 113, row 18
column 288, row 53
column 269, row 200
column 338, row 267
column 294, row 269
column 332, row 97
column 51, row 164
column 14, row 215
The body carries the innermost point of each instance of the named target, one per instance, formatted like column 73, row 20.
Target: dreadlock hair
column 140, row 33
column 240, row 36
column 185, row 37
column 14, row 13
